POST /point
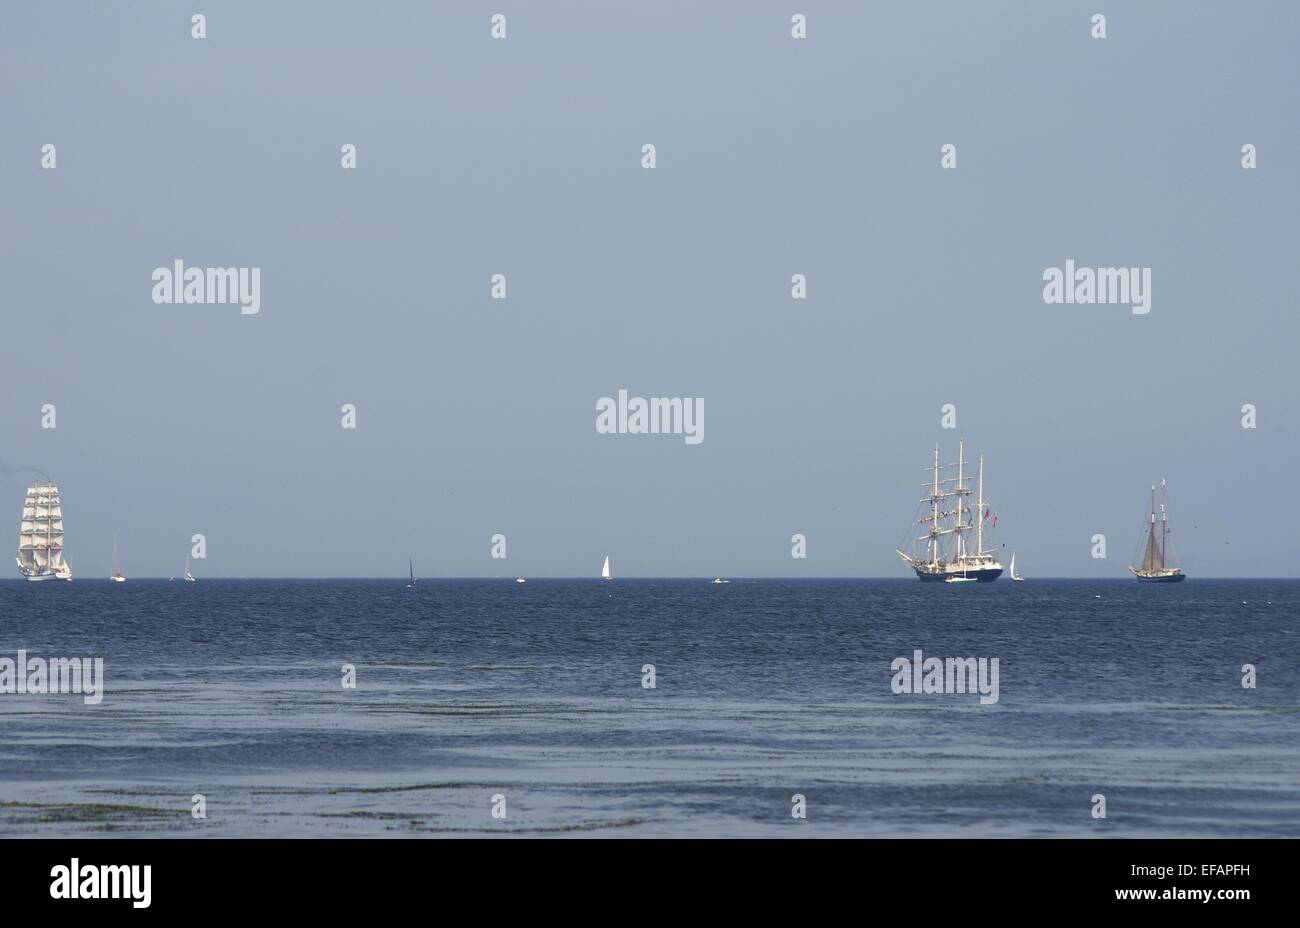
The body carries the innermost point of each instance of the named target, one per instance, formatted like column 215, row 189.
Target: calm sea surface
column 764, row 688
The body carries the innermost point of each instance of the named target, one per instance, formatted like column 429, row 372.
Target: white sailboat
column 115, row 571
column 411, row 565
column 520, row 580
column 40, row 535
column 1014, row 575
column 604, row 571
column 189, row 577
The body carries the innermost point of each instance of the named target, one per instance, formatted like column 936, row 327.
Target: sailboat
column 604, row 571
column 1013, row 569
column 1155, row 562
column 40, row 535
column 943, row 552
column 411, row 565
column 189, row 577
column 115, row 571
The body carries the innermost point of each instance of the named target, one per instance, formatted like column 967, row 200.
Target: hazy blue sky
column 775, row 156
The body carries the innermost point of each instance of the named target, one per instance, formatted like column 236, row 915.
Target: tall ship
column 948, row 524
column 40, row 535
column 1156, row 560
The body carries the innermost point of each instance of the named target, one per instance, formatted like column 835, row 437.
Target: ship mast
column 1151, row 534
column 49, row 529
column 958, row 527
column 934, row 513
column 1164, row 524
column 979, row 515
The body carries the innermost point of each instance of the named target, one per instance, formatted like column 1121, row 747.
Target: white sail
column 40, row 535
column 604, row 571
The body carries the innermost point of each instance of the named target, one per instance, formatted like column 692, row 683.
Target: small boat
column 720, row 580
column 1155, row 562
column 115, row 571
column 189, row 577
column 1014, row 576
column 520, row 580
column 962, row 578
column 604, row 571
column 411, row 566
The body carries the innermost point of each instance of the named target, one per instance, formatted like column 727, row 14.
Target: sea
column 653, row 708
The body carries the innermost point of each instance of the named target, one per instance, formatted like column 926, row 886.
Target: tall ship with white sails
column 1156, row 566
column 40, row 535
column 949, row 525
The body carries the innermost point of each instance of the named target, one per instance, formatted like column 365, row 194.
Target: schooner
column 1155, row 562
column 40, row 535
column 943, row 552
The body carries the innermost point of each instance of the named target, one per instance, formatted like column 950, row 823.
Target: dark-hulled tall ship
column 943, row 552
column 1157, row 557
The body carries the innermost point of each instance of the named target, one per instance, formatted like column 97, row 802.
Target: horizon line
column 693, row 577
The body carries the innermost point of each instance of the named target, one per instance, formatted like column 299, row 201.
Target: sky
column 522, row 156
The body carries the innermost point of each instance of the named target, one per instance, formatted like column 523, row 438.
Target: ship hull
column 983, row 575
column 1169, row 578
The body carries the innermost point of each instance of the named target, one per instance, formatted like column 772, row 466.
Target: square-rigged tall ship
column 40, row 535
column 943, row 552
column 1155, row 562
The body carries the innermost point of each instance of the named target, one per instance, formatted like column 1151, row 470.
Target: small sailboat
column 604, row 571
column 520, row 580
column 189, row 577
column 960, row 578
column 1155, row 562
column 1014, row 576
column 115, row 571
column 411, row 566
column 720, row 580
